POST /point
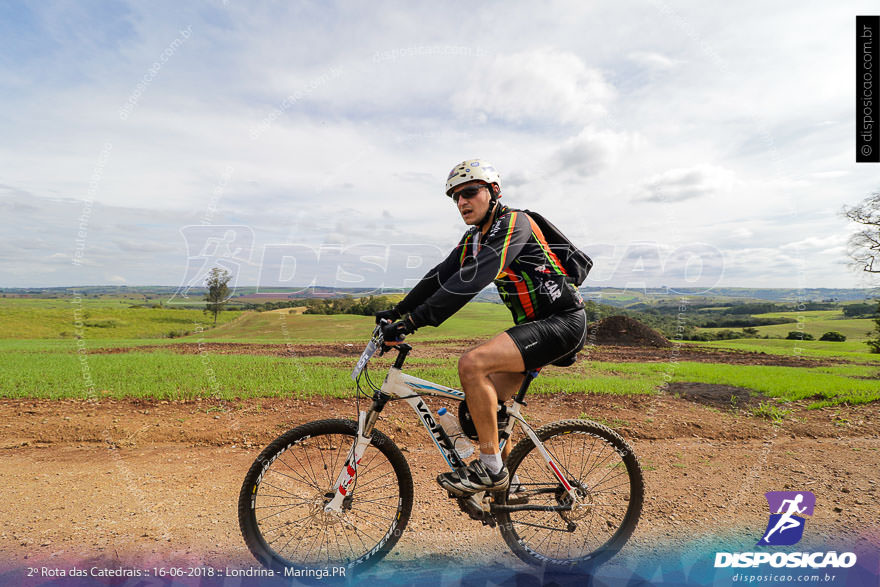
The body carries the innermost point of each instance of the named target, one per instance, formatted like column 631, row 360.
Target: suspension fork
column 366, row 422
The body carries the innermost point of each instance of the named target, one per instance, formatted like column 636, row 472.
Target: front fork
column 366, row 421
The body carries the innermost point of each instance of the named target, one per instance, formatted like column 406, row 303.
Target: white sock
column 492, row 461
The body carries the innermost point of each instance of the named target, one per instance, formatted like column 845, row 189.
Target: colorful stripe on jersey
column 530, row 287
column 464, row 249
column 552, row 259
column 507, row 238
column 518, row 315
column 523, row 295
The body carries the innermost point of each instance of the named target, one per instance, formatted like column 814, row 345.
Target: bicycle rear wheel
column 281, row 504
column 607, row 477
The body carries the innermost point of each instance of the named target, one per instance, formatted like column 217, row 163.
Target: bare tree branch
column 864, row 246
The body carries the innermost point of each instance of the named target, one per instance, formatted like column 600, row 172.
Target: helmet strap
column 492, row 202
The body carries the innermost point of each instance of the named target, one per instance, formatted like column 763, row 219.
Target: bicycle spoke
column 591, row 464
column 544, row 527
column 374, row 479
column 324, row 463
column 313, row 483
column 264, row 518
column 288, row 523
column 285, row 497
column 285, row 521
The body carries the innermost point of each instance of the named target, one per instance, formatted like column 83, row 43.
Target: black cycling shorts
column 556, row 339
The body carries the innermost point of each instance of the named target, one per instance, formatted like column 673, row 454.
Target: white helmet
column 470, row 170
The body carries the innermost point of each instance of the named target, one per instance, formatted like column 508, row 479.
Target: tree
column 874, row 343
column 864, row 248
column 864, row 245
column 218, row 291
column 833, row 336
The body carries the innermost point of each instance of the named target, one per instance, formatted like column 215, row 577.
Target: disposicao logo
column 786, row 527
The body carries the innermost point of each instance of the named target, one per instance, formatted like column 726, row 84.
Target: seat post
column 521, row 394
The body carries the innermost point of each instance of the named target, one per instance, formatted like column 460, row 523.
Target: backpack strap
column 548, row 250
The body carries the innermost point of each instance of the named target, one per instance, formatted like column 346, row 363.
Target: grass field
column 39, row 356
column 816, row 322
column 96, row 319
column 848, row 350
column 472, row 321
column 168, row 375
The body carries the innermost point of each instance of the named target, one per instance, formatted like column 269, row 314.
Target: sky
column 680, row 144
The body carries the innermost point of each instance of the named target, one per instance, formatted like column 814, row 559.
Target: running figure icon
column 786, row 522
column 787, row 508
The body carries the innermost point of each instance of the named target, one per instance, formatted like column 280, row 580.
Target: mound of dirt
column 622, row 330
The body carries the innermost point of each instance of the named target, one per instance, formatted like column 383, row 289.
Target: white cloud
column 730, row 113
column 677, row 185
column 817, row 243
column 652, row 60
column 591, row 151
column 829, row 174
column 543, row 86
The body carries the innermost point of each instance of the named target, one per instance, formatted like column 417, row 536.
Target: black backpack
column 575, row 262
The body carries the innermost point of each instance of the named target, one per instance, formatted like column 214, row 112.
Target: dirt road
column 143, row 483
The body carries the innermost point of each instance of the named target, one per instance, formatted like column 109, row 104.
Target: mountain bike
column 340, row 492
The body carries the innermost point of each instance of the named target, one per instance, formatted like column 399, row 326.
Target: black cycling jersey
column 513, row 253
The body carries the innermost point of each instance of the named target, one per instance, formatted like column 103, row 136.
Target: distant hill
column 606, row 295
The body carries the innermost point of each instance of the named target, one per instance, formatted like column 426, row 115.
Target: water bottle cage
column 467, row 423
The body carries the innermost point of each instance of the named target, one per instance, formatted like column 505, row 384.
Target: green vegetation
column 874, row 341
column 366, row 306
column 770, row 411
column 859, row 310
column 97, row 319
column 33, row 372
column 814, row 323
column 833, row 336
column 849, row 350
column 472, row 321
column 218, row 291
column 824, row 385
column 49, row 363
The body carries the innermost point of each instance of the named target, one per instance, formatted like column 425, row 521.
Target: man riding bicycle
column 505, row 246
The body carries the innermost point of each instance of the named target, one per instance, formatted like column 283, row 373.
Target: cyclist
column 503, row 245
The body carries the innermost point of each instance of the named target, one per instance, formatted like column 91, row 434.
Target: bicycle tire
column 594, row 459
column 293, row 476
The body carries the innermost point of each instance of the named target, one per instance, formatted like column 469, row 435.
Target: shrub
column 799, row 335
column 770, row 411
column 856, row 310
column 728, row 335
column 833, row 336
column 108, row 323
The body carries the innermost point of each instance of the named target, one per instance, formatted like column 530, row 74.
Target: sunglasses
column 467, row 193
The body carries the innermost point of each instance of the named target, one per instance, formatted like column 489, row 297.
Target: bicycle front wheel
column 541, row 524
column 281, row 504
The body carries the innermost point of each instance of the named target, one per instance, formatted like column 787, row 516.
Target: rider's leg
column 498, row 355
column 506, row 385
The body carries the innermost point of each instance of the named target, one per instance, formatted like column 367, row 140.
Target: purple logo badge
column 786, row 525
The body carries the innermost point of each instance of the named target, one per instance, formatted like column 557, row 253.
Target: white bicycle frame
column 409, row 389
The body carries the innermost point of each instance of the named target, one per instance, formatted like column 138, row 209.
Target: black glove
column 390, row 315
column 395, row 331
